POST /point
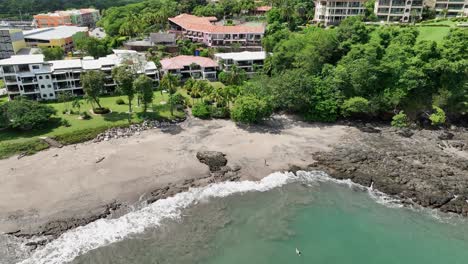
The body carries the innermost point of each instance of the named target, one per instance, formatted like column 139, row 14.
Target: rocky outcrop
column 214, row 159
column 422, row 169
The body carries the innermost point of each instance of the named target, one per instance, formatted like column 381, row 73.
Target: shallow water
column 328, row 222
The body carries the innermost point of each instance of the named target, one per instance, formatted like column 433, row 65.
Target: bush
column 201, row 110
column 85, row 115
column 438, row 117
column 250, row 109
column 26, row 114
column 120, row 101
column 219, row 112
column 101, row 111
column 177, row 99
column 65, row 123
column 323, row 111
column 400, row 120
column 355, row 106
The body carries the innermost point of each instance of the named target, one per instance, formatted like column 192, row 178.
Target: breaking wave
column 106, row 231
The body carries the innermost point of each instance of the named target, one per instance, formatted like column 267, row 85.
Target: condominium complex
column 398, row 10
column 61, row 36
column 451, row 8
column 190, row 67
column 333, row 12
column 31, row 76
column 206, row 31
column 77, row 17
column 250, row 61
column 11, row 42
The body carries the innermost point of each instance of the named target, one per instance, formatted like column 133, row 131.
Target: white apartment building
column 332, row 12
column 31, row 76
column 398, row 10
column 451, row 8
column 249, row 61
column 190, row 67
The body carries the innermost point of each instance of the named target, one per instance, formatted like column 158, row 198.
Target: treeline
column 28, row 8
column 356, row 71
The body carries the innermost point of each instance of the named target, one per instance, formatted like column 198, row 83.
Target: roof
column 23, row 59
column 242, row 56
column 179, row 62
column 65, row 64
column 59, row 32
column 204, row 24
column 162, row 37
column 69, row 12
column 263, row 8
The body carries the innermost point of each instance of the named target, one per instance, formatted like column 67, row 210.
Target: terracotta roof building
column 204, row 30
column 190, row 66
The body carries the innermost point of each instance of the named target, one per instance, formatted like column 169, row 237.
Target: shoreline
column 367, row 156
column 59, row 189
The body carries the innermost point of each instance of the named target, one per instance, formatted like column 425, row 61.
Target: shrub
column 120, row 101
column 219, row 112
column 101, row 110
column 65, row 123
column 355, row 106
column 201, row 110
column 85, row 115
column 400, row 120
column 323, row 111
column 26, row 114
column 250, row 109
column 177, row 99
column 438, row 117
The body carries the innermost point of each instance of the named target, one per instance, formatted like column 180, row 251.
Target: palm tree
column 77, row 103
column 196, row 92
column 170, row 83
column 218, row 95
column 191, row 67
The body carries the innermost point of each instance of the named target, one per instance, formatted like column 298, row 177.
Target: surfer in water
column 298, row 252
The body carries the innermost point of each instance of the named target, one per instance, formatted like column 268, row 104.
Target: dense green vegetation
column 319, row 73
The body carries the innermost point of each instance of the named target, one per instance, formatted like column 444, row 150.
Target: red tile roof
column 204, row 24
column 263, row 8
column 179, row 62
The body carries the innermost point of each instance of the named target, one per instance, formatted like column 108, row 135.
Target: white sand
column 40, row 188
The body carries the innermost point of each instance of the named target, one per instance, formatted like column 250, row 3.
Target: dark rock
column 214, row 159
column 369, row 129
column 100, row 159
column 405, row 132
column 446, row 136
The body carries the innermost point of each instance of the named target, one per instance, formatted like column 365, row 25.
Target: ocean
column 329, row 221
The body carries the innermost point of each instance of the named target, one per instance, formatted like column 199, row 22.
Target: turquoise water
column 328, row 222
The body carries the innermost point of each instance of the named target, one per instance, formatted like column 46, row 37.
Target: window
column 35, row 67
column 40, row 77
column 44, row 95
column 51, row 95
column 49, row 86
column 42, row 86
column 47, row 77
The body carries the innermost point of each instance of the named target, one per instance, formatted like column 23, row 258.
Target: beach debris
column 446, row 136
column 56, row 155
column 100, row 159
column 22, row 155
column 52, row 142
column 405, row 132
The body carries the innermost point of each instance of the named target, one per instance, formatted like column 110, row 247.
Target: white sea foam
column 106, row 231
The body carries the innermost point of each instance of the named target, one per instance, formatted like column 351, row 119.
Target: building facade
column 190, row 67
column 11, row 42
column 76, row 17
column 398, row 10
column 205, row 30
column 333, row 12
column 451, row 8
column 61, row 36
column 250, row 61
column 31, row 76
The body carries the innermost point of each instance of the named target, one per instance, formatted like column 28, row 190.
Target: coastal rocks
column 412, row 169
column 368, row 128
column 134, row 129
column 445, row 135
column 405, row 132
column 214, row 159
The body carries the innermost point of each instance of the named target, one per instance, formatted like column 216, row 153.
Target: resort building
column 11, row 42
column 31, row 76
column 60, row 36
column 261, row 10
column 249, row 61
column 398, row 10
column 76, row 17
column 166, row 40
column 206, row 31
column 332, row 12
column 190, row 67
column 451, row 8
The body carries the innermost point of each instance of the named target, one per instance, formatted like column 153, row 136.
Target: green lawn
column 3, row 99
column 436, row 34
column 118, row 117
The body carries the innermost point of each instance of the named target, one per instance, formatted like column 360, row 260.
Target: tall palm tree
column 170, row 82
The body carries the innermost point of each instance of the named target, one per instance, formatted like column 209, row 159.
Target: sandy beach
column 69, row 182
